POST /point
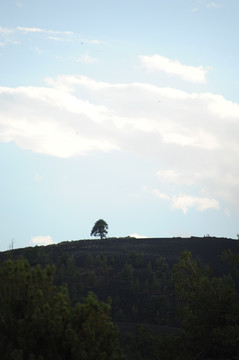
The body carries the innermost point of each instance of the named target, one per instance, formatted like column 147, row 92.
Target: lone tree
column 99, row 229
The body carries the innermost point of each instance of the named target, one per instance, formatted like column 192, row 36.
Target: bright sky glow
column 126, row 111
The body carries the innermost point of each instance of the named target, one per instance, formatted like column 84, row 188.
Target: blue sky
column 121, row 110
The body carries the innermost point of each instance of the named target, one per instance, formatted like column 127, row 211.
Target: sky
column 126, row 111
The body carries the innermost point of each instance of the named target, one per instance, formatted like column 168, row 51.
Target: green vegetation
column 37, row 321
column 209, row 311
column 100, row 229
column 168, row 303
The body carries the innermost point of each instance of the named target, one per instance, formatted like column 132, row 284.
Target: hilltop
column 135, row 274
column 207, row 249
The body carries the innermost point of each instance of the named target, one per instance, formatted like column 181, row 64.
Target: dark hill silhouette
column 135, row 273
column 207, row 249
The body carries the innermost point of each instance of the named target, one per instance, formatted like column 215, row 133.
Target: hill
column 207, row 249
column 135, row 273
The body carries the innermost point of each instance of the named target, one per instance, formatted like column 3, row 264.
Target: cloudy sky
column 122, row 110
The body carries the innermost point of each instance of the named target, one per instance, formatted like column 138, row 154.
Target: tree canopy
column 38, row 322
column 210, row 311
column 100, row 229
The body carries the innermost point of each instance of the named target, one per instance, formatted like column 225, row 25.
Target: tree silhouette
column 99, row 229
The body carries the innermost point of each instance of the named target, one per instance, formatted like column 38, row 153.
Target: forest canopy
column 38, row 322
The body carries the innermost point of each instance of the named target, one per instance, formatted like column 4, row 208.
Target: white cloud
column 9, row 41
column 184, row 202
column 195, row 74
column 42, row 128
column 4, row 31
column 6, row 36
column 174, row 176
column 161, row 195
column 57, row 38
column 86, row 58
column 40, row 30
column 223, row 108
column 32, row 29
column 42, row 240
column 192, row 136
column 37, row 50
column 137, row 236
column 195, row 9
column 57, row 35
column 213, row 5
column 96, row 42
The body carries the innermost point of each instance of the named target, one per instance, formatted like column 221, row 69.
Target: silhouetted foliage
column 38, row 322
column 100, row 229
column 127, row 272
column 210, row 311
column 193, row 316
